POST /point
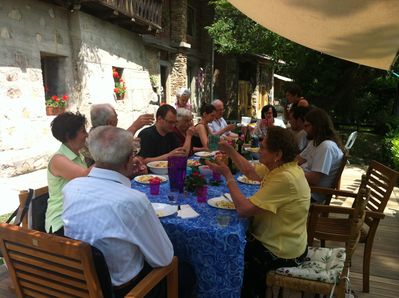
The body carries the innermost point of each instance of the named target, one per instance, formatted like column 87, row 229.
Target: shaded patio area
column 384, row 275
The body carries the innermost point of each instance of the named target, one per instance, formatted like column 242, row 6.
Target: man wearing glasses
column 159, row 141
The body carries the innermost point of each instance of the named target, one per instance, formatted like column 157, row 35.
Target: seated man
column 219, row 126
column 103, row 210
column 297, row 122
column 105, row 114
column 159, row 141
column 322, row 157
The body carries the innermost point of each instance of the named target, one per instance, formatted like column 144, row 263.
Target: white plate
column 145, row 179
column 244, row 179
column 163, row 210
column 221, row 203
column 205, row 153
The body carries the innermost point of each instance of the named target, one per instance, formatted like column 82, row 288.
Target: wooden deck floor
column 384, row 280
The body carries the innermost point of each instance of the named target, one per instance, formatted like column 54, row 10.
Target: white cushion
column 321, row 264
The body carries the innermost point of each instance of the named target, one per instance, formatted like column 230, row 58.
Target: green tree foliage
column 351, row 93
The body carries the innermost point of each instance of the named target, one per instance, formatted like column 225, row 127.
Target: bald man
column 219, row 126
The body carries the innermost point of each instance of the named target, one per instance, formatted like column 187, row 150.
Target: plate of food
column 145, row 179
column 193, row 163
column 163, row 210
column 204, row 153
column 244, row 179
column 221, row 203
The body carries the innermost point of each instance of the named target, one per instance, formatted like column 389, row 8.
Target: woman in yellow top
column 66, row 164
column 277, row 235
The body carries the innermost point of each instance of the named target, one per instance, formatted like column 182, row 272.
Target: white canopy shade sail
column 362, row 31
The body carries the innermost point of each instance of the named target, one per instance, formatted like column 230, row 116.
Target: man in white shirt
column 297, row 122
column 322, row 157
column 219, row 126
column 102, row 210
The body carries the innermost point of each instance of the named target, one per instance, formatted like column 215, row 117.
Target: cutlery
column 228, row 198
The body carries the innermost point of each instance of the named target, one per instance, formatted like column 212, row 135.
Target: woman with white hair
column 182, row 97
column 184, row 129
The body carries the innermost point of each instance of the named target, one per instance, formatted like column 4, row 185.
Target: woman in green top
column 66, row 164
column 277, row 235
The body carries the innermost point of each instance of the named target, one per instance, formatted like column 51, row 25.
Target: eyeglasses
column 171, row 122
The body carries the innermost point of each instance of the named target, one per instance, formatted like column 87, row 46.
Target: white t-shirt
column 326, row 159
column 217, row 125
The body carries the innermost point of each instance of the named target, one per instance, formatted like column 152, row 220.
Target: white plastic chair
column 351, row 140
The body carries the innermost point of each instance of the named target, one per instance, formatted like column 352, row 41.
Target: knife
column 228, row 198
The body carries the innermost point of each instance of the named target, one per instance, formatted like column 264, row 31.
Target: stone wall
column 90, row 48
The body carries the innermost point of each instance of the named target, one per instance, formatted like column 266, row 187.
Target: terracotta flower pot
column 52, row 111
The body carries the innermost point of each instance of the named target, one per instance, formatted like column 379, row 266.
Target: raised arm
column 242, row 164
column 142, row 120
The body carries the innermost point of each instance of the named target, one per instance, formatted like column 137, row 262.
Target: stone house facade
column 72, row 49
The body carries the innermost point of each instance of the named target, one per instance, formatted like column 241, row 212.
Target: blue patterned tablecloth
column 216, row 253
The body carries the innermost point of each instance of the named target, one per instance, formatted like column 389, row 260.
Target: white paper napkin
column 187, row 212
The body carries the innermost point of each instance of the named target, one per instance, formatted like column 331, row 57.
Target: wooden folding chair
column 44, row 265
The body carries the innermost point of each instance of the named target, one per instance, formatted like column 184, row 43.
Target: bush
column 392, row 147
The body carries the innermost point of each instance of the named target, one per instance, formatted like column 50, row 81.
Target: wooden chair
column 23, row 196
column 381, row 180
column 43, row 265
column 296, row 278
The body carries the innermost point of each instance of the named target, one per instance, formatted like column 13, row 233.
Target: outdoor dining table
column 216, row 252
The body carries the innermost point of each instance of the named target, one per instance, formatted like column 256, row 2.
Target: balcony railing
column 143, row 12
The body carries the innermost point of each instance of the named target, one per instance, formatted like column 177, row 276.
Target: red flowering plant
column 55, row 100
column 119, row 83
column 194, row 180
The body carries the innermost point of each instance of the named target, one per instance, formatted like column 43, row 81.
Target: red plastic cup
column 154, row 186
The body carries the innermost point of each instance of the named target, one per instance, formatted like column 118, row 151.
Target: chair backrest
column 43, row 265
column 35, row 217
column 338, row 228
column 46, row 265
column 357, row 219
column 381, row 180
column 337, row 181
column 351, row 140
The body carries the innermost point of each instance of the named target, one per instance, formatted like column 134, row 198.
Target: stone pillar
column 178, row 22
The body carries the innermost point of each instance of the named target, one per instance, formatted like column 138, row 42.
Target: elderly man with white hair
column 219, row 126
column 105, row 114
column 103, row 210
column 182, row 97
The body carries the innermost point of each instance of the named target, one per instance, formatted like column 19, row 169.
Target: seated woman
column 269, row 118
column 277, row 236
column 184, row 129
column 200, row 139
column 66, row 164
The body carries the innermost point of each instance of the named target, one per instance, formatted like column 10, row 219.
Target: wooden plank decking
column 384, row 279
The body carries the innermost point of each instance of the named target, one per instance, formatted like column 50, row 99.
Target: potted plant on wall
column 119, row 85
column 56, row 104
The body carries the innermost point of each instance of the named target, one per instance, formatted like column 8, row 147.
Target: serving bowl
column 158, row 167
